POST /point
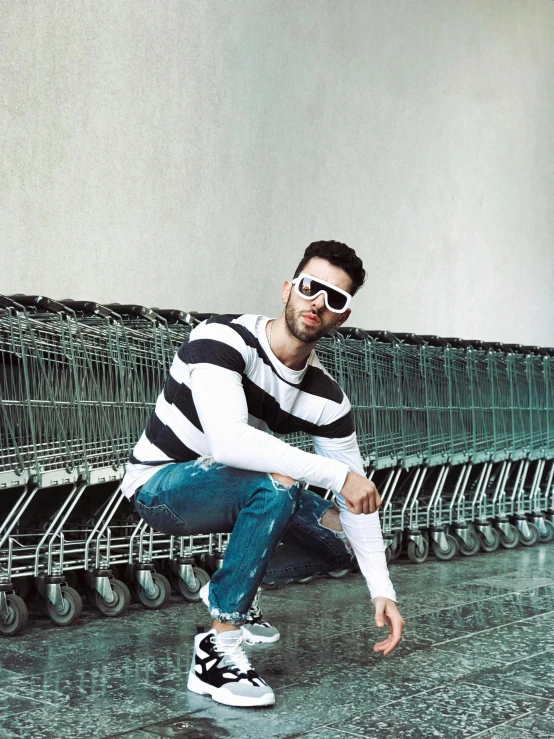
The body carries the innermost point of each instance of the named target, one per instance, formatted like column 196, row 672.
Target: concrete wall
column 182, row 153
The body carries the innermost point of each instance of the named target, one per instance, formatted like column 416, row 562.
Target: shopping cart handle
column 39, row 301
column 6, row 302
column 170, row 313
column 128, row 309
column 351, row 332
column 434, row 340
column 385, row 336
column 193, row 318
column 459, row 343
column 412, row 339
column 89, row 307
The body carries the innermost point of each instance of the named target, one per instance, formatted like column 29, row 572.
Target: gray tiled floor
column 477, row 660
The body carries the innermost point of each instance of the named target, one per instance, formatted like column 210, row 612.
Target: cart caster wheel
column 338, row 574
column 488, row 546
column 416, row 554
column 532, row 539
column 161, row 595
column 471, row 549
column 512, row 540
column 388, row 555
column 120, row 603
column 548, row 535
column 395, row 549
column 188, row 593
column 444, row 555
column 305, row 580
column 17, row 616
column 70, row 610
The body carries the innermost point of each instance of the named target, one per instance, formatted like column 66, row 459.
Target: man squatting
column 210, row 461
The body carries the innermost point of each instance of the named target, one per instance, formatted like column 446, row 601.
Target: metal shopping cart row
column 459, row 437
column 77, row 384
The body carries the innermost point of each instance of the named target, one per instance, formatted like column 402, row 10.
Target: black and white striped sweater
column 228, row 397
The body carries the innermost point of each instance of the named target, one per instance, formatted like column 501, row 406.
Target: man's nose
column 319, row 301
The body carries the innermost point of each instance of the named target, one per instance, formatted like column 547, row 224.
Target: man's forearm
column 363, row 531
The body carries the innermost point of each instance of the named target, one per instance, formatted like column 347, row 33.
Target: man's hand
column 386, row 611
column 360, row 494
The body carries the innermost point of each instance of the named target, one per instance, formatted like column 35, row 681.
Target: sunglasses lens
column 336, row 300
column 310, row 288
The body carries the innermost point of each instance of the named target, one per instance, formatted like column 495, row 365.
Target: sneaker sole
column 220, row 695
column 250, row 639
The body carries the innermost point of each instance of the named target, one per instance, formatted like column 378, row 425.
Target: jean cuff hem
column 235, row 618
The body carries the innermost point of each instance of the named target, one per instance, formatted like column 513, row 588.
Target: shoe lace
column 231, row 652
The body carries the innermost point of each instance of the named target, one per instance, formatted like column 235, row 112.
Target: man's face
column 309, row 320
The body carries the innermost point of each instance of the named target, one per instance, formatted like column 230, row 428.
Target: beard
column 303, row 333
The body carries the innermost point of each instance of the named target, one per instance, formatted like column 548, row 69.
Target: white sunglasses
column 309, row 288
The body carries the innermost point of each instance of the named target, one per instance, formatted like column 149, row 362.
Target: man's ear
column 343, row 318
column 287, row 286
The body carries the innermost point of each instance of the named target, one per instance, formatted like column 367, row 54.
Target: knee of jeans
column 330, row 520
column 287, row 498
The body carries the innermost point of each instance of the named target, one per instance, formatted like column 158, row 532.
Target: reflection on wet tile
column 338, row 690
column 100, row 681
column 100, row 639
column 127, row 677
column 96, row 719
column 188, row 727
column 455, row 711
column 15, row 702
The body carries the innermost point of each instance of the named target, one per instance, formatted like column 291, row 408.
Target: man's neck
column 289, row 350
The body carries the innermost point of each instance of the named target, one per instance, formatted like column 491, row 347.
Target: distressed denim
column 276, row 531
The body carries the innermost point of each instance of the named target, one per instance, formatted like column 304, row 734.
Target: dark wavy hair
column 339, row 255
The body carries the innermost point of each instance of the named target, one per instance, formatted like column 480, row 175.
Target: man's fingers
column 395, row 624
column 385, row 647
column 379, row 614
column 355, row 507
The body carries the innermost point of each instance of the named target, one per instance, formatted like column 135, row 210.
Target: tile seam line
column 27, row 698
column 524, row 659
column 322, row 726
column 504, row 723
column 493, row 628
column 421, row 692
column 507, row 690
column 398, row 700
column 470, row 603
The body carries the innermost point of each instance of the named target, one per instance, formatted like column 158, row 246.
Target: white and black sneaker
column 220, row 668
column 255, row 630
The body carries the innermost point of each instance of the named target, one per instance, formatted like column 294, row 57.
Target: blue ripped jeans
column 203, row 497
